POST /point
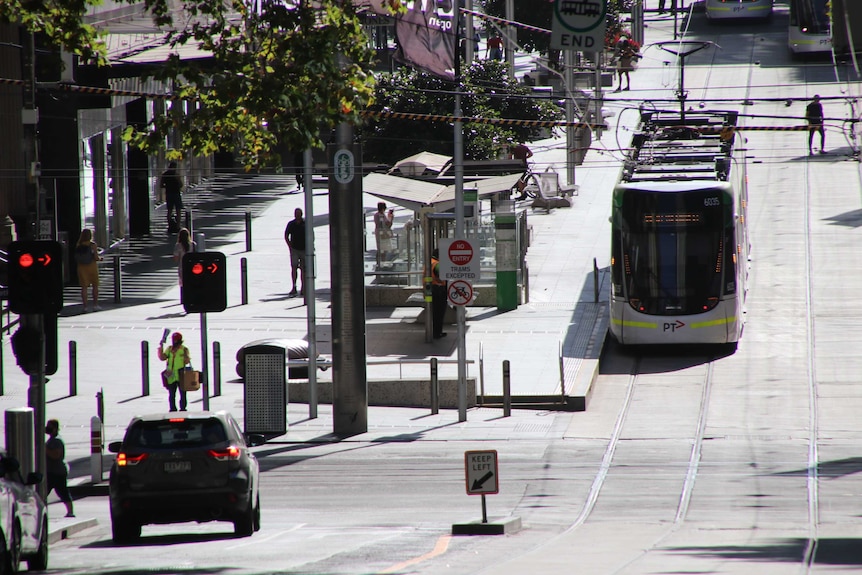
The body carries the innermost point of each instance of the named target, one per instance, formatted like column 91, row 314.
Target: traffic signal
column 204, row 282
column 26, row 345
column 27, row 341
column 35, row 277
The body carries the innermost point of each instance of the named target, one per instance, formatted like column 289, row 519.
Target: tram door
column 436, row 226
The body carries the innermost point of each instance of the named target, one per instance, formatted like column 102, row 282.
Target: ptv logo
column 673, row 326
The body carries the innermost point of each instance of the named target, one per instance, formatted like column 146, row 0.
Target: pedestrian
column 172, row 184
column 438, row 297
column 814, row 117
column 522, row 153
column 661, row 6
column 383, row 231
column 625, row 63
column 56, row 470
column 176, row 357
column 87, row 259
column 476, row 39
column 294, row 235
column 183, row 246
column 494, row 47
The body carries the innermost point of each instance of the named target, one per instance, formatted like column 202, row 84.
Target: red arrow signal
column 44, row 260
column 212, row 268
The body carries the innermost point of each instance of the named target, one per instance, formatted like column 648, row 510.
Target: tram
column 680, row 245
column 810, row 30
column 738, row 9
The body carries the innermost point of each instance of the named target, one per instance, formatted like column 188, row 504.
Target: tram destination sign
column 579, row 25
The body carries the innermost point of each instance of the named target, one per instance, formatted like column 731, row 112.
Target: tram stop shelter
column 400, row 282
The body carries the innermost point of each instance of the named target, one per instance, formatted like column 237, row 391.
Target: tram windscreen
column 674, row 246
column 810, row 16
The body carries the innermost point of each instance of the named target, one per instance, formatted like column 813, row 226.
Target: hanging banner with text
column 579, row 25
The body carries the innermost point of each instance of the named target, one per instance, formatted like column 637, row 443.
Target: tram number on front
column 711, row 202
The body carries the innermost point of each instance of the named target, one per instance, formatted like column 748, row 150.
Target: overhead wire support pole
column 458, row 162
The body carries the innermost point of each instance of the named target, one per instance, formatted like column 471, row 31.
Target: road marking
column 440, row 548
column 259, row 540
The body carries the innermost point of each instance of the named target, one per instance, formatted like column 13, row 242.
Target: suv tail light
column 124, row 459
column 229, row 454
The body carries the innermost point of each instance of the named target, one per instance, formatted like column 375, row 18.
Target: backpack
column 84, row 255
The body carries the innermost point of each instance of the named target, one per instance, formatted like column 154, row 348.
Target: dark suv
column 177, row 467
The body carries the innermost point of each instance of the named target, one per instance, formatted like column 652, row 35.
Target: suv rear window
column 173, row 434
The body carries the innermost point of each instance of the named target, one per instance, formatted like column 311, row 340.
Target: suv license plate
column 178, row 466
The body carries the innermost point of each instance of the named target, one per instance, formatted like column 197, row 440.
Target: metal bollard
column 243, row 276
column 100, row 404
column 595, row 281
column 562, row 373
column 216, row 369
column 2, row 381
column 145, row 368
column 118, row 278
column 481, row 374
column 507, row 390
column 435, row 390
column 248, row 231
column 95, row 449
column 73, row 368
column 200, row 242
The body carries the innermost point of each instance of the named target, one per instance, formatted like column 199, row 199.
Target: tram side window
column 730, row 262
column 616, row 265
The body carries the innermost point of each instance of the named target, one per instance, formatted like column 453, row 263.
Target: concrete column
column 349, row 378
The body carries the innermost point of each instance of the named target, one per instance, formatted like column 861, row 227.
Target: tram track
column 635, row 407
column 812, row 478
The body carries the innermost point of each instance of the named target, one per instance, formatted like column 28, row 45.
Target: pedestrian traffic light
column 28, row 340
column 204, row 282
column 35, row 277
column 26, row 345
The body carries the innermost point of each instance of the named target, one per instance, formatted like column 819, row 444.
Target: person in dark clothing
column 57, row 472
column 438, row 297
column 814, row 117
column 294, row 235
column 172, row 184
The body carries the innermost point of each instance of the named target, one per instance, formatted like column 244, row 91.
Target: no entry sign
column 460, row 253
column 458, row 260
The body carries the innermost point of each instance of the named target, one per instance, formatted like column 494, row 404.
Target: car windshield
column 175, row 433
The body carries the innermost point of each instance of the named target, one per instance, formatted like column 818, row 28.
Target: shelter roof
column 416, row 195
column 421, row 163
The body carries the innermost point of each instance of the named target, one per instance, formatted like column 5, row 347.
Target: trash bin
column 265, row 394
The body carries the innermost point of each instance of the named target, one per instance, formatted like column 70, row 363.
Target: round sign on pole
column 460, row 253
column 459, row 292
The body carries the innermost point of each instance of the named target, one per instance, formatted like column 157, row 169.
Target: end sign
column 579, row 25
column 480, row 469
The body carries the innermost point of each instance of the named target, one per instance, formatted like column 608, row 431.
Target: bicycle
column 527, row 185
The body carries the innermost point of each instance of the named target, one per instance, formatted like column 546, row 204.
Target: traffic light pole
column 36, row 400
column 204, row 362
column 29, row 114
